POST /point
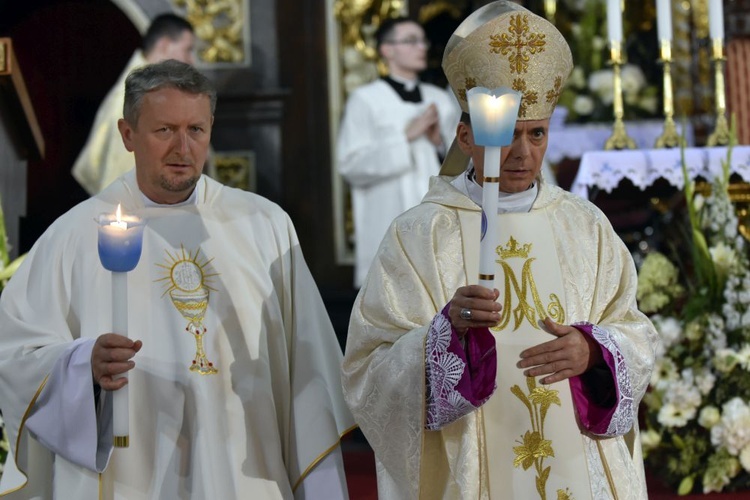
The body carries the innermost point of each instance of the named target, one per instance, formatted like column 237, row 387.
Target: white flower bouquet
column 696, row 435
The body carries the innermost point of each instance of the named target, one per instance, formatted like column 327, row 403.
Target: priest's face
column 405, row 50
column 520, row 163
column 170, row 143
column 180, row 48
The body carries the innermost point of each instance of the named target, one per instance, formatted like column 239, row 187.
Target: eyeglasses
column 411, row 41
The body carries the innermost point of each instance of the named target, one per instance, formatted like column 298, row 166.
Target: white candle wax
column 120, row 397
column 614, row 21
column 716, row 19
column 489, row 243
column 664, row 19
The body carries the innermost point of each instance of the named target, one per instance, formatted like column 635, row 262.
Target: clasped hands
column 112, row 356
column 570, row 354
column 428, row 124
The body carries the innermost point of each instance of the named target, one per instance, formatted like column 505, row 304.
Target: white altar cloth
column 605, row 169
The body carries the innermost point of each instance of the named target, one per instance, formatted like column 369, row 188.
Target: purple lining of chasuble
column 594, row 418
column 452, row 390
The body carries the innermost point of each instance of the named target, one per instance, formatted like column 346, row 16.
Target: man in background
column 393, row 133
column 103, row 157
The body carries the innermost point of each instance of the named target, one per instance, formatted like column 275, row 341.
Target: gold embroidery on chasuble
column 522, row 300
column 187, row 278
column 534, row 447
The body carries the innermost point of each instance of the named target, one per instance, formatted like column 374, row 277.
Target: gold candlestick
column 720, row 136
column 669, row 138
column 619, row 138
column 550, row 8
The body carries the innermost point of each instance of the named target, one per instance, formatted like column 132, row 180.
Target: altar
column 605, row 170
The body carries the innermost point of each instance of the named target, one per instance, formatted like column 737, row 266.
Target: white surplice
column 104, row 157
column 229, row 265
column 387, row 173
column 421, row 263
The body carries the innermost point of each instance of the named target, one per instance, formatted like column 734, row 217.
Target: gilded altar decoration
column 529, row 304
column 220, row 26
column 187, row 285
column 533, row 448
column 358, row 21
column 235, row 169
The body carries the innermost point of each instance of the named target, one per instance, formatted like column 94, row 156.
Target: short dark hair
column 165, row 25
column 165, row 74
column 386, row 28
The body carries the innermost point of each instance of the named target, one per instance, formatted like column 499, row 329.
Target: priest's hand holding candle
column 493, row 120
column 120, row 242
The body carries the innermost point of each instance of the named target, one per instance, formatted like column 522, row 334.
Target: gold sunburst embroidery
column 187, row 279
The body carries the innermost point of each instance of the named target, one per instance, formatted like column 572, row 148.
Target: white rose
column 723, row 256
column 577, row 78
column 650, row 439
column 602, row 84
column 709, row 416
column 633, row 79
column 583, row 105
column 745, row 458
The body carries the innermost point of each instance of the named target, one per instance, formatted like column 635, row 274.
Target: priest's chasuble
column 236, row 390
column 533, row 444
column 423, row 259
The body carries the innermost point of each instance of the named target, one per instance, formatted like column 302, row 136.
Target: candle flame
column 118, row 213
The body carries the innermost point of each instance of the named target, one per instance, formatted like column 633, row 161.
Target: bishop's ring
column 465, row 314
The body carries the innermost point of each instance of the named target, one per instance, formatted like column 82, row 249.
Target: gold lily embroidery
column 534, row 448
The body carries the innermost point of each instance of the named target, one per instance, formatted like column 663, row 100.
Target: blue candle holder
column 493, row 115
column 120, row 242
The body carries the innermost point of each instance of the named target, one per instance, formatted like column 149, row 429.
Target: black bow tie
column 413, row 95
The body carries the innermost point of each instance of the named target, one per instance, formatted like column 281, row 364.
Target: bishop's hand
column 474, row 306
column 571, row 354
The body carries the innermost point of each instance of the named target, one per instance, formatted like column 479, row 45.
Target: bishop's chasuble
column 236, row 390
column 407, row 386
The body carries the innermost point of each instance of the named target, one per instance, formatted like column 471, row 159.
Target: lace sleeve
column 460, row 375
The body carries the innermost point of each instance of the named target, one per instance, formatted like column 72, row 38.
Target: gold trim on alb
column 486, row 276
column 492, row 179
column 122, row 441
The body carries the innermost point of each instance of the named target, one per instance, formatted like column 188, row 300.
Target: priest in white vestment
column 103, row 157
column 527, row 391
column 391, row 136
column 231, row 363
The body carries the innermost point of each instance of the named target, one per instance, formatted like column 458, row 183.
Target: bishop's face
column 520, row 163
column 170, row 143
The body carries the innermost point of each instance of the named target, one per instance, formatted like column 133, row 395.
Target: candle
column 120, row 240
column 119, row 243
column 493, row 120
column 664, row 19
column 614, row 21
column 716, row 19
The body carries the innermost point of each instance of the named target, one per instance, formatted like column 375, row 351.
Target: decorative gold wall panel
column 220, row 26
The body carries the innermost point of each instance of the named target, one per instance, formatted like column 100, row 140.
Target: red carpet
column 360, row 477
